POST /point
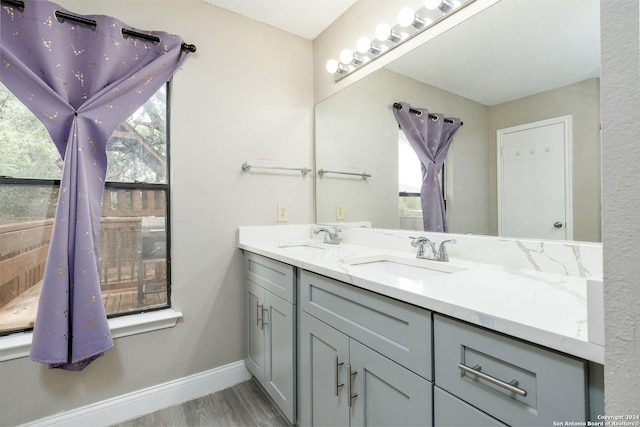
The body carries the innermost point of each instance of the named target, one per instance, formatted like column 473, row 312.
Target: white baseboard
column 151, row 399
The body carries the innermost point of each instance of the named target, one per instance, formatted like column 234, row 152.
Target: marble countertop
column 545, row 308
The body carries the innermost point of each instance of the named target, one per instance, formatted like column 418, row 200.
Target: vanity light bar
column 410, row 24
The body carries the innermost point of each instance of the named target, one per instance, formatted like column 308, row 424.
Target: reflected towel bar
column 246, row 167
column 362, row 175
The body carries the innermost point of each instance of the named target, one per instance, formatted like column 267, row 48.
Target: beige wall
column 582, row 101
column 245, row 95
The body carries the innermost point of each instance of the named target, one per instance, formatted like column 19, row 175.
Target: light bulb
column 406, row 16
column 346, row 56
column 445, row 6
column 332, row 66
column 363, row 44
column 383, row 31
column 432, row 4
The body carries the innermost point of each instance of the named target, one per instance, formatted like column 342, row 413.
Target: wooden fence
column 23, row 252
column 124, row 263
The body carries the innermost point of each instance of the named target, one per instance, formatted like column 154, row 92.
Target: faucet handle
column 330, row 237
column 415, row 241
column 336, row 235
column 442, row 251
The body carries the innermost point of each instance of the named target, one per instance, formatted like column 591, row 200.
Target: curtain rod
column 16, row 3
column 398, row 106
column 62, row 16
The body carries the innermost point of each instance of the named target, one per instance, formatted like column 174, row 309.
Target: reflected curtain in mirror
column 81, row 81
column 430, row 135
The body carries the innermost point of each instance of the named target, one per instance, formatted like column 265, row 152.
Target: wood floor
column 244, row 405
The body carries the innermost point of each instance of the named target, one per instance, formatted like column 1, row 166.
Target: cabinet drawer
column 453, row 412
column 275, row 276
column 397, row 330
column 524, row 385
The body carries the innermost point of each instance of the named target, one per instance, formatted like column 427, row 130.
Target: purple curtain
column 430, row 136
column 82, row 83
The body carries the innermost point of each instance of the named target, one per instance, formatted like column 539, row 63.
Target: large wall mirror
column 515, row 63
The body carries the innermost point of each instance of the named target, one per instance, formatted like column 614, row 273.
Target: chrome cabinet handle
column 258, row 311
column 262, row 321
column 349, row 385
column 557, row 224
column 335, row 373
column 511, row 386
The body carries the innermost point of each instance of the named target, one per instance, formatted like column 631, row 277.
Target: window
column 410, row 181
column 134, row 236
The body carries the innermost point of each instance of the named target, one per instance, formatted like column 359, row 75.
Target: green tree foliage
column 136, row 152
column 26, row 149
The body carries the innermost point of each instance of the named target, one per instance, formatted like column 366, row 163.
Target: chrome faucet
column 330, row 237
column 420, row 242
column 434, row 255
column 442, row 251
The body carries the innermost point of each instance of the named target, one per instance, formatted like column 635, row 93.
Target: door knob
column 557, row 224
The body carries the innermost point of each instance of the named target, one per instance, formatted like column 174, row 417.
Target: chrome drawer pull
column 335, row 373
column 349, row 385
column 512, row 386
column 258, row 311
column 262, row 320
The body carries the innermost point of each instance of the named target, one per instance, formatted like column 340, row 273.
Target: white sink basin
column 412, row 269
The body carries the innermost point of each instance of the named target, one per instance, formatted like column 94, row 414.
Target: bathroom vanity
column 364, row 333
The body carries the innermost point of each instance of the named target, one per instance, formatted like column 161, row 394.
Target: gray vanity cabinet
column 348, row 356
column 449, row 411
column 512, row 381
column 271, row 325
column 322, row 369
column 334, row 366
column 342, row 381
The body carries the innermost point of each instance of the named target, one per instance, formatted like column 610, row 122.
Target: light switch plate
column 339, row 211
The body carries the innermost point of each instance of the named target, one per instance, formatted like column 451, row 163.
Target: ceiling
column 305, row 18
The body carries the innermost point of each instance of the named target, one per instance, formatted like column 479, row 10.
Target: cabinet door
column 255, row 329
column 324, row 354
column 449, row 411
column 279, row 380
column 387, row 393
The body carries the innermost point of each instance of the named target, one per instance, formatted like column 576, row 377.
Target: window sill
column 18, row 345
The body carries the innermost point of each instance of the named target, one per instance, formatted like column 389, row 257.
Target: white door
column 534, row 180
